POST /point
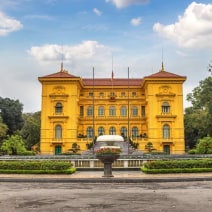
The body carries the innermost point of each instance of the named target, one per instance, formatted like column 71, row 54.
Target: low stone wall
column 120, row 163
column 90, row 161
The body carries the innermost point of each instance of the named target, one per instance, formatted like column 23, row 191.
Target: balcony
column 112, row 98
column 57, row 141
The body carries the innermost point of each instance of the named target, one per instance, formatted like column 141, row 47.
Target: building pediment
column 58, row 92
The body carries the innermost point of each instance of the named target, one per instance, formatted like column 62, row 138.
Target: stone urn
column 107, row 153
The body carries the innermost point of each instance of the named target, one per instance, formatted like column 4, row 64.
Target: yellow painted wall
column 72, row 94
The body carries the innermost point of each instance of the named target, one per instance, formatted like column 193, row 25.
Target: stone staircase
column 125, row 148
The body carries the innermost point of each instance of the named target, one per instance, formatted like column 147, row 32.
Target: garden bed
column 36, row 167
column 177, row 166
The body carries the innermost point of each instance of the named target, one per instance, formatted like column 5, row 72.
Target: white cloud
column 85, row 50
column 193, row 29
column 97, row 12
column 125, row 3
column 136, row 21
column 8, row 24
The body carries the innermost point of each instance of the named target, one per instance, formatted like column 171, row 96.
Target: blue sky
column 35, row 35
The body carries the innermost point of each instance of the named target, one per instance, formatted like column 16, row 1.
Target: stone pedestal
column 107, row 159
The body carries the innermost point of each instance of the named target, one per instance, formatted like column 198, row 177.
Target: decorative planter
column 108, row 152
column 107, row 159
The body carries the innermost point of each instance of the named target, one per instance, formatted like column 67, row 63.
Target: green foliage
column 198, row 118
column 11, row 112
column 133, row 144
column 35, row 165
column 170, row 164
column 91, row 144
column 149, row 147
column 195, row 122
column 27, row 153
column 204, row 145
column 3, row 129
column 67, row 171
column 31, row 129
column 175, row 170
column 13, row 145
column 75, row 148
column 192, row 151
column 177, row 166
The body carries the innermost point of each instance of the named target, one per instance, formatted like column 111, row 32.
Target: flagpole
column 128, row 101
column 112, row 75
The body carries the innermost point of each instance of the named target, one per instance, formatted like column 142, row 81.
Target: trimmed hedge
column 67, row 171
column 36, row 167
column 177, row 166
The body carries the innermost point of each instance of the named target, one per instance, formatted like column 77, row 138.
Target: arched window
column 134, row 111
column 90, row 132
column 124, row 131
column 101, row 111
column 165, row 107
column 58, row 132
column 134, row 132
column 90, row 111
column 166, row 131
column 101, row 131
column 58, row 108
column 112, row 111
column 123, row 111
column 112, row 131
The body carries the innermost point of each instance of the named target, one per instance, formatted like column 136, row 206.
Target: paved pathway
column 106, row 197
column 133, row 176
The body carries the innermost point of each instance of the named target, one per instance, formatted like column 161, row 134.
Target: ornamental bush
column 177, row 166
column 35, row 165
column 172, row 164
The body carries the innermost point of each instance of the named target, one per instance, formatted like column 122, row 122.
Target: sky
column 37, row 35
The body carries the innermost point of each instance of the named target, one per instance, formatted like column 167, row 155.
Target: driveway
column 110, row 197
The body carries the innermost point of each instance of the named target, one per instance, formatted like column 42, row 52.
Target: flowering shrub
column 106, row 150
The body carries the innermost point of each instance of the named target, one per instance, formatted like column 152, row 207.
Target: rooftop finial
column 162, row 68
column 61, row 69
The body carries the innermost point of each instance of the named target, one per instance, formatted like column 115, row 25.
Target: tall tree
column 3, row 129
column 194, row 122
column 11, row 112
column 198, row 118
column 31, row 129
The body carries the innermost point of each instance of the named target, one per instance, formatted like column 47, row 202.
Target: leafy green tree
column 198, row 118
column 13, row 145
column 204, row 145
column 31, row 129
column 3, row 129
column 194, row 122
column 11, row 112
column 201, row 99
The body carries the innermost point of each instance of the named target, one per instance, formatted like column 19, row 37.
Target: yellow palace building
column 148, row 109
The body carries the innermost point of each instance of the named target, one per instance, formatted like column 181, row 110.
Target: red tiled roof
column 109, row 81
column 164, row 74
column 61, row 74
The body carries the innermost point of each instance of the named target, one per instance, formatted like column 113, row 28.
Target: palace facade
column 147, row 110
